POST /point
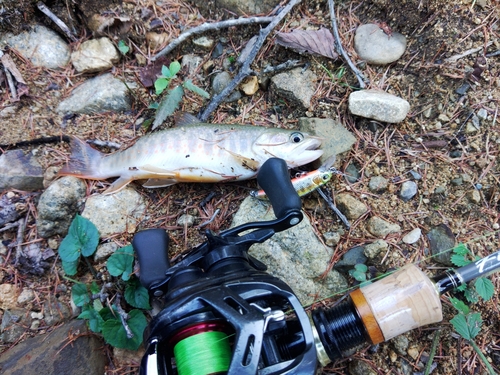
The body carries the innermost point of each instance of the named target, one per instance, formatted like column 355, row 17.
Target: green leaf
column 97, row 304
column 120, row 263
column 468, row 326
column 136, row 295
column 471, row 295
column 107, row 314
column 94, row 319
column 168, row 105
column 461, row 249
column 161, row 84
column 80, row 294
column 153, row 105
column 114, row 333
column 165, row 72
column 70, row 268
column 174, row 68
column 94, row 288
column 361, row 267
column 123, row 48
column 459, row 305
column 459, row 260
column 82, row 238
column 189, row 85
column 484, row 287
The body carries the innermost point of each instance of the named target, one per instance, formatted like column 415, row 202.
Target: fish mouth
column 306, row 152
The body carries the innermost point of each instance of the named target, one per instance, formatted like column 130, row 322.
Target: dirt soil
column 437, row 140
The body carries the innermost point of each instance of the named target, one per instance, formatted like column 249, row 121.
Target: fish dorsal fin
column 185, row 119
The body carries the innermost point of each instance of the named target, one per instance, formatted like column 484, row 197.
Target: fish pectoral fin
column 157, row 171
column 117, row 185
column 245, row 162
column 158, row 182
column 185, row 119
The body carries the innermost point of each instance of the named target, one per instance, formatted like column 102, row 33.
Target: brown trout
column 193, row 152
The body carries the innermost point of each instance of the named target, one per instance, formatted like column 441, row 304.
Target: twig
column 12, row 86
column 123, row 317
column 210, row 220
column 361, row 78
column 334, row 208
column 38, row 141
column 56, row 20
column 210, row 26
column 245, row 68
column 21, row 225
column 281, row 67
column 467, row 53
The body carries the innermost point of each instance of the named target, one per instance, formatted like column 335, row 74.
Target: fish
column 306, row 182
column 193, row 152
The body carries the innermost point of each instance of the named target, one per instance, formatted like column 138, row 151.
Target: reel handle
column 274, row 178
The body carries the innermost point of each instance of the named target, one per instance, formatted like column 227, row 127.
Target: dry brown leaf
column 317, row 42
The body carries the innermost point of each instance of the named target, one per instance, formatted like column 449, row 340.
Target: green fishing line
column 203, row 354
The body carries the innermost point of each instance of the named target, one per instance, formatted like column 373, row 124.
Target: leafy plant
column 119, row 328
column 359, row 273
column 123, row 48
column 173, row 98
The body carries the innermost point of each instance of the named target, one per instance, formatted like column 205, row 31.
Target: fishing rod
column 224, row 314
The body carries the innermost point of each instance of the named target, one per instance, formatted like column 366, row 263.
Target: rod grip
column 274, row 178
column 151, row 246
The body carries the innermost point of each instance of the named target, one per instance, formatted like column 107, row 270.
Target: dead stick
column 245, row 70
column 335, row 209
column 210, row 26
column 21, row 225
column 56, row 20
column 123, row 317
column 361, row 78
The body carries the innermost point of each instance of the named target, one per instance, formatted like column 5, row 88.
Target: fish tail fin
column 83, row 160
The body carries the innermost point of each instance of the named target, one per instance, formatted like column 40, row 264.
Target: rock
column 115, row 213
column 350, row 206
column 412, row 236
column 359, row 367
column 186, row 220
column 350, row 259
column 8, row 296
column 50, row 354
column 381, row 228
column 49, row 176
column 373, row 249
column 104, row 251
column 156, row 40
column 416, row 176
column 441, row 238
column 240, row 7
column 20, row 171
column 336, row 138
column 191, row 62
column 374, row 46
column 474, row 196
column 96, row 95
column 413, row 352
column 352, row 173
column 8, row 209
column 42, row 46
column 331, row 238
column 204, row 42
column 250, row 85
column 378, row 184
column 33, row 259
column 400, row 344
column 27, row 295
column 55, row 311
column 408, row 190
column 482, row 114
column 378, row 105
column 219, row 83
column 124, row 358
column 58, row 204
column 95, row 55
column 296, row 255
column 14, row 323
column 296, row 85
column 470, row 128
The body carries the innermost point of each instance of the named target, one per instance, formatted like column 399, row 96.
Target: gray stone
column 378, row 184
column 104, row 251
column 191, row 62
column 350, row 259
column 42, row 46
column 55, row 311
column 351, row 207
column 412, row 236
column 20, row 171
column 360, row 367
column 416, row 176
column 378, row 105
column 95, row 55
column 352, row 173
column 220, row 82
column 373, row 249
column 8, row 210
column 408, row 190
column 296, row 255
column 8, row 296
column 381, row 228
column 58, row 205
column 186, row 220
column 474, row 196
column 441, row 241
column 331, row 238
column 296, row 85
column 14, row 323
column 240, row 7
column 204, row 42
column 336, row 138
column 50, row 354
column 374, row 46
column 482, row 114
column 115, row 213
column 100, row 94
column 400, row 344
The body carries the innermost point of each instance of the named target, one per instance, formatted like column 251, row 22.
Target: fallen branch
column 334, row 208
column 208, row 27
column 245, row 70
column 361, row 78
column 56, row 20
column 123, row 317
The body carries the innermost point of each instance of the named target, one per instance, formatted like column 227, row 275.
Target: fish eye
column 325, row 177
column 296, row 137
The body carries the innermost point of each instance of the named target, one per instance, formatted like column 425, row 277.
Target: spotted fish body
column 196, row 152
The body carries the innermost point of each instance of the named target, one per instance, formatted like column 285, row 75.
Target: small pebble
column 331, row 238
column 375, row 248
column 408, row 190
column 482, row 114
column 455, row 154
column 378, row 184
column 474, row 196
column 416, row 176
column 412, row 236
column 186, row 219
